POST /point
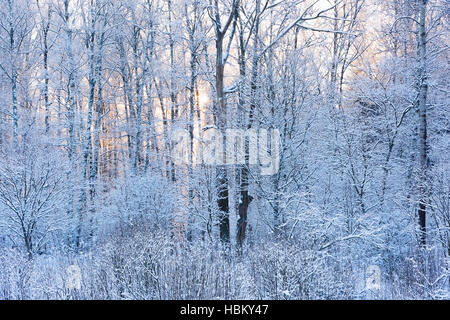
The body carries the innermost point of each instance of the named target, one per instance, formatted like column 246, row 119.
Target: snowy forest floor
column 136, row 264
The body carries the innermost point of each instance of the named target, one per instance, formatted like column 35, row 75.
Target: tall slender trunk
column 70, row 111
column 45, row 30
column 221, row 170
column 99, row 114
column 169, row 161
column 422, row 106
column 13, row 76
column 148, row 85
column 221, row 117
column 245, row 198
column 128, row 97
column 87, row 146
column 139, row 98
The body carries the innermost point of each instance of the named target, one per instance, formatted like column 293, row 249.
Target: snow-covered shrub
column 32, row 198
column 147, row 199
column 15, row 272
column 141, row 264
column 282, row 270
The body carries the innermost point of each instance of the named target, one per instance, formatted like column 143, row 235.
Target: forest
column 224, row 149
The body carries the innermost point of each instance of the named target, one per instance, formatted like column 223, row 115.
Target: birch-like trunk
column 422, row 106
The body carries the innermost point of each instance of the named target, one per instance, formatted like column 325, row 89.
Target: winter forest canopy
column 106, row 114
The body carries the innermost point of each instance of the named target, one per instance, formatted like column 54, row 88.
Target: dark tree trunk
column 422, row 104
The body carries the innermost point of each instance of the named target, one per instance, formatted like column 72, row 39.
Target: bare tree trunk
column 422, row 104
column 70, row 109
column 170, row 167
column 127, row 98
column 139, row 78
column 245, row 198
column 45, row 31
column 151, row 140
column 87, row 147
column 221, row 116
column 192, row 26
column 221, row 171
